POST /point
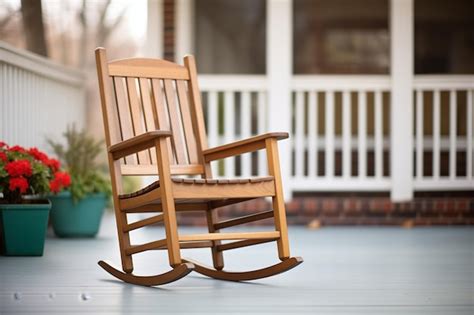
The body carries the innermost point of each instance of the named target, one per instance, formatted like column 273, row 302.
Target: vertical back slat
column 312, row 134
column 362, row 134
column 187, row 122
column 436, row 133
column 148, row 112
column 137, row 117
column 469, row 130
column 299, row 134
column 196, row 111
column 378, row 134
column 175, row 120
column 123, row 108
column 229, row 109
column 452, row 133
column 161, row 113
column 329, row 154
column 346, row 134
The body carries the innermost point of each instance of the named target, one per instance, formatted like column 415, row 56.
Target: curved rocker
column 167, row 277
column 283, row 266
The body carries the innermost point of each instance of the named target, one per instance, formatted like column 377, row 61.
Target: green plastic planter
column 23, row 228
column 81, row 219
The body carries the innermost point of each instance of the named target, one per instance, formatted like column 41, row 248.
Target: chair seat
column 198, row 182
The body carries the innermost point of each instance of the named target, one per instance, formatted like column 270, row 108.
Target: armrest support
column 242, row 146
column 137, row 144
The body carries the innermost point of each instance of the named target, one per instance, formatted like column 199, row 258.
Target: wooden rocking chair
column 154, row 125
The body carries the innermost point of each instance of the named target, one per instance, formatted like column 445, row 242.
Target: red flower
column 3, row 157
column 19, row 168
column 17, row 148
column 52, row 164
column 2, row 144
column 54, row 186
column 19, row 183
column 38, row 155
column 61, row 180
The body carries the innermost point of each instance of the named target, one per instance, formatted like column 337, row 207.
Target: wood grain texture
column 270, row 271
column 159, row 107
column 242, row 146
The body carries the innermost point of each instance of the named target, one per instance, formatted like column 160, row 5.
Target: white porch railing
column 444, row 133
column 38, row 98
column 340, row 135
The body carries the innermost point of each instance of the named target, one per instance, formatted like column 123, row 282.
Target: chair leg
column 277, row 200
column 217, row 256
column 167, row 200
column 124, row 242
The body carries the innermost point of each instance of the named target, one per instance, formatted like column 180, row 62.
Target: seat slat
column 137, row 122
column 175, row 122
column 187, row 122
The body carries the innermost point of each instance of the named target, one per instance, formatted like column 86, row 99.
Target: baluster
column 378, row 135
column 299, row 134
column 436, row 134
column 329, row 117
column 262, row 114
column 229, row 115
column 312, row 134
column 245, row 126
column 346, row 134
column 470, row 118
column 213, row 127
column 362, row 134
column 452, row 133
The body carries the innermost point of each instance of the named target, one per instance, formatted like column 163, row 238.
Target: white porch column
column 402, row 51
column 154, row 29
column 184, row 32
column 279, row 71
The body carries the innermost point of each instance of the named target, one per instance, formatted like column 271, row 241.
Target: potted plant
column 23, row 217
column 77, row 212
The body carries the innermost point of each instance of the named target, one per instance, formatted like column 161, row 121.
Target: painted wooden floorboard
column 347, row 270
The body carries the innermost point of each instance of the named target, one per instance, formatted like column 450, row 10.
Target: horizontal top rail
column 340, row 82
column 232, row 82
column 40, row 65
column 443, row 82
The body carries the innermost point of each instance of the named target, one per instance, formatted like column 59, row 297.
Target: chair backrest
column 140, row 95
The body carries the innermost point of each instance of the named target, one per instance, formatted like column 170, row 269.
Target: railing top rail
column 341, row 82
column 443, row 82
column 40, row 65
column 211, row 82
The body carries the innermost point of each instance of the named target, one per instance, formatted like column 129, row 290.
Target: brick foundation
column 316, row 211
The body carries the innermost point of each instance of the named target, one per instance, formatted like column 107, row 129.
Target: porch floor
column 356, row 270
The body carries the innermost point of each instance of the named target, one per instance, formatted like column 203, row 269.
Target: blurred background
column 376, row 94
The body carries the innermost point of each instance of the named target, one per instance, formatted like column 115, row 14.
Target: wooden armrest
column 137, row 144
column 242, row 146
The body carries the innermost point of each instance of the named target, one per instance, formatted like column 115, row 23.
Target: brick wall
column 168, row 30
column 315, row 211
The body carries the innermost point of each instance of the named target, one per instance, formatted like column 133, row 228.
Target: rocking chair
column 154, row 125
